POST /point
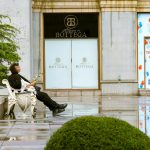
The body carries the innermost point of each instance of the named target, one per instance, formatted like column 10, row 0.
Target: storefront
column 71, row 51
column 92, row 47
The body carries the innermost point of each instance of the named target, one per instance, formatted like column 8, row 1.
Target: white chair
column 24, row 100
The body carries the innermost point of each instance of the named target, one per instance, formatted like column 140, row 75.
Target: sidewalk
column 28, row 134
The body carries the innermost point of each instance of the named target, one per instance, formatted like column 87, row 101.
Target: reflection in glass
column 144, row 118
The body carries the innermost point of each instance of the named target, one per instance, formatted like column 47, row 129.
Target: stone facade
column 117, row 39
column 20, row 15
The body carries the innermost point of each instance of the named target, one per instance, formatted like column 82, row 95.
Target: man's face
column 18, row 69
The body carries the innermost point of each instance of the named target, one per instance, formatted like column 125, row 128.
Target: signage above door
column 63, row 25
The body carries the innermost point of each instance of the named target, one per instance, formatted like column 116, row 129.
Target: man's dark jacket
column 15, row 81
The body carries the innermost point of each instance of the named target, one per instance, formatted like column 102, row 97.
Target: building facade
column 90, row 47
column 20, row 15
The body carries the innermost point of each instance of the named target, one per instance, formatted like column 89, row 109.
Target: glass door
column 85, row 63
column 147, row 62
column 71, row 64
column 57, row 64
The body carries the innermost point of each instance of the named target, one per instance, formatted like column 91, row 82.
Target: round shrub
column 98, row 133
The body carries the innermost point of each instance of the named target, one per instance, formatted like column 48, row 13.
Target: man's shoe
column 63, row 106
column 56, row 111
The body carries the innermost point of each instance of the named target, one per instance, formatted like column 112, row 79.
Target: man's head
column 15, row 68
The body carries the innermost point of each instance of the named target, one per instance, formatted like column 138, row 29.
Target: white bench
column 23, row 99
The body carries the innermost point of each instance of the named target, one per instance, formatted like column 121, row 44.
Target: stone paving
column 32, row 134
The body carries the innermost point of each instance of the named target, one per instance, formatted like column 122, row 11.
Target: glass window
column 71, row 64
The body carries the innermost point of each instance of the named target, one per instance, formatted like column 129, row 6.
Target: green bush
column 98, row 133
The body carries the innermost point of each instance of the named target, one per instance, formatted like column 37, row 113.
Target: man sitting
column 20, row 84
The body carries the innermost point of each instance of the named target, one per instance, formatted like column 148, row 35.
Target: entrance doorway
column 147, row 62
column 71, row 64
column 144, row 50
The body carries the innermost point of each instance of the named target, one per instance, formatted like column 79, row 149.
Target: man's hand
column 31, row 84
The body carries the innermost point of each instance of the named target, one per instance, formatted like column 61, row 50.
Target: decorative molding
column 54, row 5
column 90, row 5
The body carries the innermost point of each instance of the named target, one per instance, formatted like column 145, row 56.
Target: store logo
column 84, row 60
column 57, row 64
column 57, row 60
column 84, row 64
column 71, row 21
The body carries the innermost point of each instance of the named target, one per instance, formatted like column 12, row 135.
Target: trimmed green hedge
column 98, row 133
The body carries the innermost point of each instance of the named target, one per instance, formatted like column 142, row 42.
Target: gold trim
column 136, row 46
column 41, row 45
column 99, row 50
column 118, row 9
column 115, row 81
column 43, row 51
column 101, row 58
column 66, row 10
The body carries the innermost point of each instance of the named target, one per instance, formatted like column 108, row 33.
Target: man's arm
column 32, row 84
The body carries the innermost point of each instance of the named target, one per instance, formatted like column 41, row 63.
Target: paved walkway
column 27, row 134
